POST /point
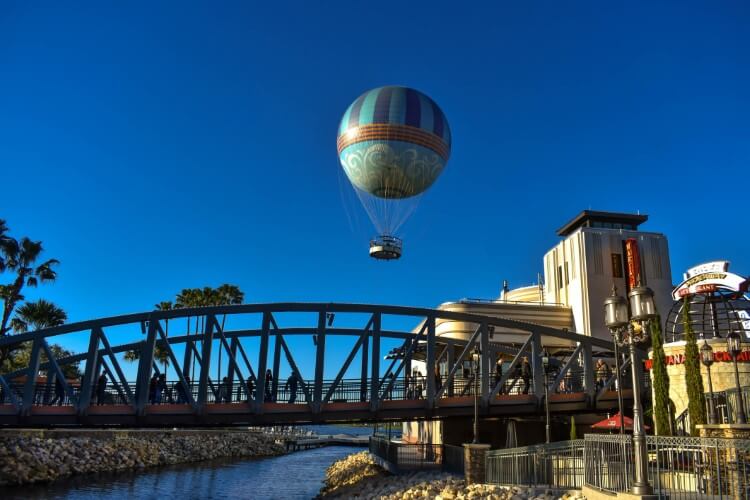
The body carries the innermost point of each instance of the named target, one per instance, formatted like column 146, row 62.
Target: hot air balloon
column 393, row 143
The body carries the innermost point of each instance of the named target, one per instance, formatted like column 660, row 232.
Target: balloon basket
column 385, row 248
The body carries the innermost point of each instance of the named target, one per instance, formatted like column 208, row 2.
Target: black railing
column 726, row 404
column 345, row 391
column 678, row 467
column 556, row 465
column 402, row 457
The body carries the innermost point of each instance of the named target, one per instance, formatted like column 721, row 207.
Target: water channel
column 297, row 475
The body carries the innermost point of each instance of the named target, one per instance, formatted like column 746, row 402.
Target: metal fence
column 678, row 467
column 726, row 404
column 402, row 457
column 556, row 465
column 453, row 458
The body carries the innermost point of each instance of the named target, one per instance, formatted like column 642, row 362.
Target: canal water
column 297, row 475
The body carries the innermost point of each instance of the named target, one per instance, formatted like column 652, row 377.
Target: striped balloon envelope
column 393, row 142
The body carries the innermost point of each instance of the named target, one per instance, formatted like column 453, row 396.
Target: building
column 597, row 250
column 578, row 275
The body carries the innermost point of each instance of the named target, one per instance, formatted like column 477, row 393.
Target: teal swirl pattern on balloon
column 391, row 169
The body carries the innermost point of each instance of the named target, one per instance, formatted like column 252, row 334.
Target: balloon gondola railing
column 385, row 247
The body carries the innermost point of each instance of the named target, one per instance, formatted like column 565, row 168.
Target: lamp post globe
column 734, row 347
column 707, row 358
column 642, row 307
column 615, row 311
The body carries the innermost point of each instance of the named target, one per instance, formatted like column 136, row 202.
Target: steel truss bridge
column 29, row 398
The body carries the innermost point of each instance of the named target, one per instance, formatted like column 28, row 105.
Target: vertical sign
column 634, row 263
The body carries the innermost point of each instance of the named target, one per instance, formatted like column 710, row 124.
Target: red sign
column 634, row 262
column 719, row 357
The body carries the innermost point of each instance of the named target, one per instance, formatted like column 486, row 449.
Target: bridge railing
column 345, row 391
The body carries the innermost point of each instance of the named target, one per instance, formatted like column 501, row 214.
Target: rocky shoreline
column 35, row 456
column 358, row 476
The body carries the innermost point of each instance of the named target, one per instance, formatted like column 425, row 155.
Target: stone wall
column 28, row 456
column 722, row 371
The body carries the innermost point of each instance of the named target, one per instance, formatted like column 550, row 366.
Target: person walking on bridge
column 499, row 373
column 225, row 391
column 291, row 386
column 250, row 389
column 602, row 373
column 180, row 390
column 161, row 388
column 59, row 398
column 101, row 389
column 152, row 383
column 269, row 384
column 526, row 374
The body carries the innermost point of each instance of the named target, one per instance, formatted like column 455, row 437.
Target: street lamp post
column 734, row 346
column 619, row 383
column 545, row 364
column 476, row 356
column 707, row 358
column 632, row 331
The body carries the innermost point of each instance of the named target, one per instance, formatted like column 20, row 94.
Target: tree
column 165, row 305
column 661, row 413
column 693, row 377
column 228, row 295
column 573, row 433
column 160, row 354
column 20, row 257
column 33, row 316
column 37, row 315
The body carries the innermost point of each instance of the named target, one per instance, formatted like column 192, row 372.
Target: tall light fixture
column 618, row 308
column 631, row 331
column 476, row 356
column 734, row 346
column 545, row 364
column 707, row 358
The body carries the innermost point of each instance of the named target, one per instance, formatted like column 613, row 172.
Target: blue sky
column 158, row 146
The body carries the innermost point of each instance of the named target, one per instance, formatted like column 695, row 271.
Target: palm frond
column 40, row 314
column 29, row 251
column 9, row 248
column 132, row 355
column 18, row 325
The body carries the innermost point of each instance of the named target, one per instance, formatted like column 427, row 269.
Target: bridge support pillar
column 475, row 461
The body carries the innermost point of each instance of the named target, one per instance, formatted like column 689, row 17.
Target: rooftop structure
column 606, row 220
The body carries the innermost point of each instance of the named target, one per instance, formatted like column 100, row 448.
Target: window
column 559, row 277
column 617, row 271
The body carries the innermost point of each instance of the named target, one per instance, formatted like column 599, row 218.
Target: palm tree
column 19, row 257
column 160, row 354
column 37, row 315
column 33, row 316
column 228, row 295
column 187, row 298
column 165, row 305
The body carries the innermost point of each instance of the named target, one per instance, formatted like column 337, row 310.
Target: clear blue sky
column 158, row 146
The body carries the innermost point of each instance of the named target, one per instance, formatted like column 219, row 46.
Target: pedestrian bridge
column 213, row 360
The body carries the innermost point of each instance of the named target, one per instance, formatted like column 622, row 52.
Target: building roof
column 587, row 217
